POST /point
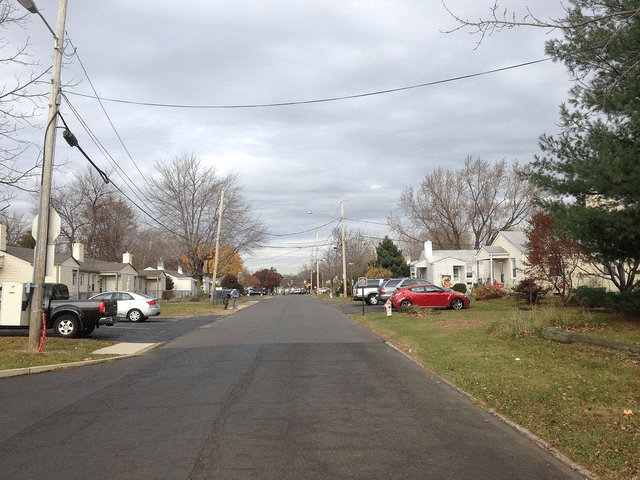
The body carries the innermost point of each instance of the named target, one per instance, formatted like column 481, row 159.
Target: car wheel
column 405, row 303
column 67, row 326
column 457, row 304
column 372, row 299
column 135, row 315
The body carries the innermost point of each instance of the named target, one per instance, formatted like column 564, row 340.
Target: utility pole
column 40, row 260
column 344, row 255
column 317, row 267
column 215, row 262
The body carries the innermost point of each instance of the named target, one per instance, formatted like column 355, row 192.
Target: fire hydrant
column 387, row 307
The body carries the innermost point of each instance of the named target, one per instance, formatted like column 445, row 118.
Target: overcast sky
column 304, row 157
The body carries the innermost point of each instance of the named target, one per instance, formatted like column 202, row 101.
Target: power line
column 307, row 102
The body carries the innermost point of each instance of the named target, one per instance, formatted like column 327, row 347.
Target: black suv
column 393, row 284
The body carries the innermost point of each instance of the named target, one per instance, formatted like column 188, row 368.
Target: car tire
column 372, row 299
column 67, row 326
column 135, row 315
column 405, row 303
column 457, row 304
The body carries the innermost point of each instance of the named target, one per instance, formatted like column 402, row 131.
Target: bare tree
column 18, row 105
column 359, row 250
column 466, row 208
column 96, row 214
column 17, row 226
column 185, row 197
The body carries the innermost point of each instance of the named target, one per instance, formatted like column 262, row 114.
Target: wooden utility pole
column 215, row 262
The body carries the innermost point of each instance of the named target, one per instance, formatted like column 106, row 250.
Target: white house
column 503, row 261
column 183, row 284
column 445, row 267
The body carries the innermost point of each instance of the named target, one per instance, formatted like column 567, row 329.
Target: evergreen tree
column 590, row 172
column 390, row 257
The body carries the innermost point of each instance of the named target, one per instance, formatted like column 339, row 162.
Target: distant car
column 429, row 296
column 324, row 290
column 135, row 307
column 391, row 285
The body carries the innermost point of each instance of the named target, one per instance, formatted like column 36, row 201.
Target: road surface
column 289, row 388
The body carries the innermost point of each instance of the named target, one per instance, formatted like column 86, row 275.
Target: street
column 289, row 388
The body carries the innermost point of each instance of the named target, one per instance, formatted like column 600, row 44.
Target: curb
column 538, row 441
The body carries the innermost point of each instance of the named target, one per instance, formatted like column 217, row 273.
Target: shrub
column 591, row 297
column 627, row 302
column 460, row 287
column 529, row 291
column 379, row 272
column 489, row 292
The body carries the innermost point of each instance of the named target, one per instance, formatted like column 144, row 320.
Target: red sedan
column 429, row 296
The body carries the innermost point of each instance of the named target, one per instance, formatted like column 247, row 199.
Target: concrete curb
column 576, row 467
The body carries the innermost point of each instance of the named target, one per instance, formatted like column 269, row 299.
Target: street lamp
column 40, row 260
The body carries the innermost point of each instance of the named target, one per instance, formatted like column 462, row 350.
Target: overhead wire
column 320, row 100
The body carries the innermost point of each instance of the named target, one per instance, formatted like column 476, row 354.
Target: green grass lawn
column 582, row 399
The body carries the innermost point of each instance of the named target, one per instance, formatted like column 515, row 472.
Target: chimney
column 180, row 269
column 3, row 237
column 127, row 258
column 160, row 265
column 78, row 252
column 428, row 249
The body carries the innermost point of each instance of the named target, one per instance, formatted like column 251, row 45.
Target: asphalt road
column 289, row 388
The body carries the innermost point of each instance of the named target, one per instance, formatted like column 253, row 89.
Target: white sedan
column 135, row 307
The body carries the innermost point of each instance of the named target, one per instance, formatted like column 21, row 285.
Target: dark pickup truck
column 75, row 318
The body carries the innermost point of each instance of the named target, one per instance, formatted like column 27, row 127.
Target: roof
column 517, row 238
column 27, row 255
column 466, row 256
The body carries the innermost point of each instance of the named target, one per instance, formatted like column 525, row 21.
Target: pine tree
column 390, row 257
column 590, row 172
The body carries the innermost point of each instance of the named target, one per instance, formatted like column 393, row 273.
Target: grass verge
column 14, row 351
column 582, row 399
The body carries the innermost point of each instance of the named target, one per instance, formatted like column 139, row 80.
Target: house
column 445, row 267
column 84, row 277
column 503, row 261
column 183, row 284
column 16, row 265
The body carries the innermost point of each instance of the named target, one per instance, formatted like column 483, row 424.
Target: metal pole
column 215, row 262
column 344, row 256
column 40, row 260
column 317, row 267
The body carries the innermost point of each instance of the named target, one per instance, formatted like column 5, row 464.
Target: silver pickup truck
column 370, row 292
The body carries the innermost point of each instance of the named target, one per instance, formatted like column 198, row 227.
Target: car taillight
column 151, row 302
column 383, row 291
column 102, row 307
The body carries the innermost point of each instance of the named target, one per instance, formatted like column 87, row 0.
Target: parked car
column 324, row 290
column 370, row 292
column 135, row 307
column 393, row 284
column 429, row 296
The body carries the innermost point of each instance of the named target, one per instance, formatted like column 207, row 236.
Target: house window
column 469, row 271
column 74, row 279
column 456, row 273
column 82, row 280
column 514, row 270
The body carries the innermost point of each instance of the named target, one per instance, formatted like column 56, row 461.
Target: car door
column 125, row 303
column 437, row 296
